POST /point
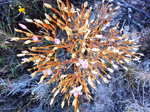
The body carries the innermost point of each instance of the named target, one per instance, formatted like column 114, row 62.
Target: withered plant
column 88, row 49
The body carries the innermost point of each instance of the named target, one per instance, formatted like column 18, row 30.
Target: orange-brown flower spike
column 87, row 49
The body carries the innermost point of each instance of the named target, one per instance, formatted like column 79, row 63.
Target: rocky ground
column 127, row 91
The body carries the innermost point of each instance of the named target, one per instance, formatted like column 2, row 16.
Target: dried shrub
column 88, row 51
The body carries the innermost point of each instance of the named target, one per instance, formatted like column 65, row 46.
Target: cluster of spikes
column 88, row 48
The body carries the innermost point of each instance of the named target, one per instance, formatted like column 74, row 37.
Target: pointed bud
column 23, row 26
column 15, row 39
column 62, row 104
column 27, row 42
column 117, row 7
column 105, row 80
column 38, row 21
column 20, row 55
column 52, row 100
column 110, row 70
column 47, row 5
column 34, row 74
column 73, row 55
column 95, row 49
column 85, row 4
column 29, row 20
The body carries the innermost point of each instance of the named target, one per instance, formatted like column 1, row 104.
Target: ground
column 127, row 91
